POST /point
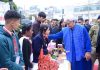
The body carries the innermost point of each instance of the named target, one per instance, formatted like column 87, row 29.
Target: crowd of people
column 80, row 39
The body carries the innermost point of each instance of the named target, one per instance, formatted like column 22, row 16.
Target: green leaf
column 4, row 0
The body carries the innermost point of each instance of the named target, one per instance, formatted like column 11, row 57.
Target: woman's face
column 47, row 33
column 30, row 32
column 63, row 24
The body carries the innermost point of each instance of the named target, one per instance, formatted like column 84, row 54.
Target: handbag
column 45, row 63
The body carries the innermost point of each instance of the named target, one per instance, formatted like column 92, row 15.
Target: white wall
column 3, row 8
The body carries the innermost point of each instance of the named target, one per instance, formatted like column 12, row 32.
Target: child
column 38, row 42
column 26, row 45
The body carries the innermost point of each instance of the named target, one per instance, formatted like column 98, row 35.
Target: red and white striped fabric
column 96, row 64
column 45, row 63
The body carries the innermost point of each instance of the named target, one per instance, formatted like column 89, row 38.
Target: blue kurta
column 77, row 42
column 79, row 65
column 73, row 53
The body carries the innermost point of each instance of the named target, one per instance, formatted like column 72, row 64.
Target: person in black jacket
column 36, row 25
column 98, row 43
column 87, row 25
column 26, row 45
column 98, row 47
column 54, row 26
column 38, row 42
column 10, row 55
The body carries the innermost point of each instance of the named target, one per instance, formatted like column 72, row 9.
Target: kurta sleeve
column 56, row 36
column 5, row 60
column 87, row 40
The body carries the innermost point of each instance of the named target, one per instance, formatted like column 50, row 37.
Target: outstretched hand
column 88, row 56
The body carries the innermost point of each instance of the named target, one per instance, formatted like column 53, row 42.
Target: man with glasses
column 77, row 45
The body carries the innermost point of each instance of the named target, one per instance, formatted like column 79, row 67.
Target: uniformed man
column 93, row 35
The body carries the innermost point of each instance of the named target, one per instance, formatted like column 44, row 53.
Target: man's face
column 80, row 21
column 71, row 24
column 53, row 23
column 98, row 21
column 87, row 22
column 41, row 19
column 15, row 23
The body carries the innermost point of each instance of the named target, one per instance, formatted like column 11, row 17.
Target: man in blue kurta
column 77, row 45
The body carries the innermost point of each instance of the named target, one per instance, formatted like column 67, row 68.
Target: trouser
column 83, row 64
column 93, row 55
